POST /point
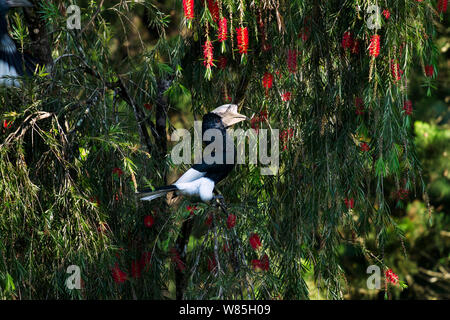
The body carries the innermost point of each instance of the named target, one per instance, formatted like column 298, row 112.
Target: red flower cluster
column 188, row 6
column 231, row 221
column 347, row 40
column 286, row 96
column 149, row 220
column 209, row 220
column 222, row 62
column 429, row 70
column 177, row 259
column 254, row 122
column 442, row 5
column 364, row 147
column 408, row 107
column 386, row 13
column 359, row 105
column 223, row 30
column 148, row 106
column 396, row 71
column 267, row 80
column 117, row 171
column 292, row 60
column 391, row 277
column 118, row 275
column 349, row 203
column 214, row 9
column 305, row 33
column 208, row 54
column 242, row 39
column 192, row 209
column 261, row 264
column 374, row 46
column 255, row 241
column 402, row 194
column 7, row 124
column 285, row 135
column 135, row 269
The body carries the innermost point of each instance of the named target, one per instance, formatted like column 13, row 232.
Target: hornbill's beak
column 18, row 3
column 229, row 114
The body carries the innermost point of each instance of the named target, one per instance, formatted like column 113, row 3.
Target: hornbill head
column 5, row 5
column 229, row 115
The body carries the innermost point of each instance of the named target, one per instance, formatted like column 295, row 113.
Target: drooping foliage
column 85, row 132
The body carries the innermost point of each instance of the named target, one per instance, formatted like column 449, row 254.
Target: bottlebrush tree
column 336, row 89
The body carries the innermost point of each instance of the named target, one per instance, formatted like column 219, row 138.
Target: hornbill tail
column 148, row 195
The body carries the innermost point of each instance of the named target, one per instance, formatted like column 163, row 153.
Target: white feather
column 190, row 175
column 202, row 188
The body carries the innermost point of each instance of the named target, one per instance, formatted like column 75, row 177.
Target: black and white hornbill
column 11, row 61
column 199, row 181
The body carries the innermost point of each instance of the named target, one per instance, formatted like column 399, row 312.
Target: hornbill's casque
column 11, row 62
column 200, row 180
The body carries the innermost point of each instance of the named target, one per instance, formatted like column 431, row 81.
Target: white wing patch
column 202, row 188
column 190, row 176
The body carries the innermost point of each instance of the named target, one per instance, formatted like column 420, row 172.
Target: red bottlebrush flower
column 256, row 264
column 223, row 30
column 286, row 96
column 263, row 115
column 386, row 13
column 117, row 171
column 442, row 5
column 267, row 81
column 222, row 62
column 211, row 263
column 264, row 263
column 188, row 6
column 214, row 9
column 304, row 34
column 148, row 106
column 177, row 259
column 135, row 269
column 429, row 70
column 254, row 240
column 145, row 259
column 7, row 124
column 149, row 221
column 359, row 104
column 192, row 209
column 349, row 203
column 364, row 147
column 231, row 221
column 292, row 60
column 118, row 275
column 208, row 54
column 374, row 46
column 408, row 107
column 403, row 194
column 391, row 277
column 242, row 39
column 209, row 220
column 254, row 123
column 347, row 40
column 355, row 47
column 395, row 70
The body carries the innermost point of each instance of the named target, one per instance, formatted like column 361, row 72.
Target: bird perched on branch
column 200, row 180
column 12, row 65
